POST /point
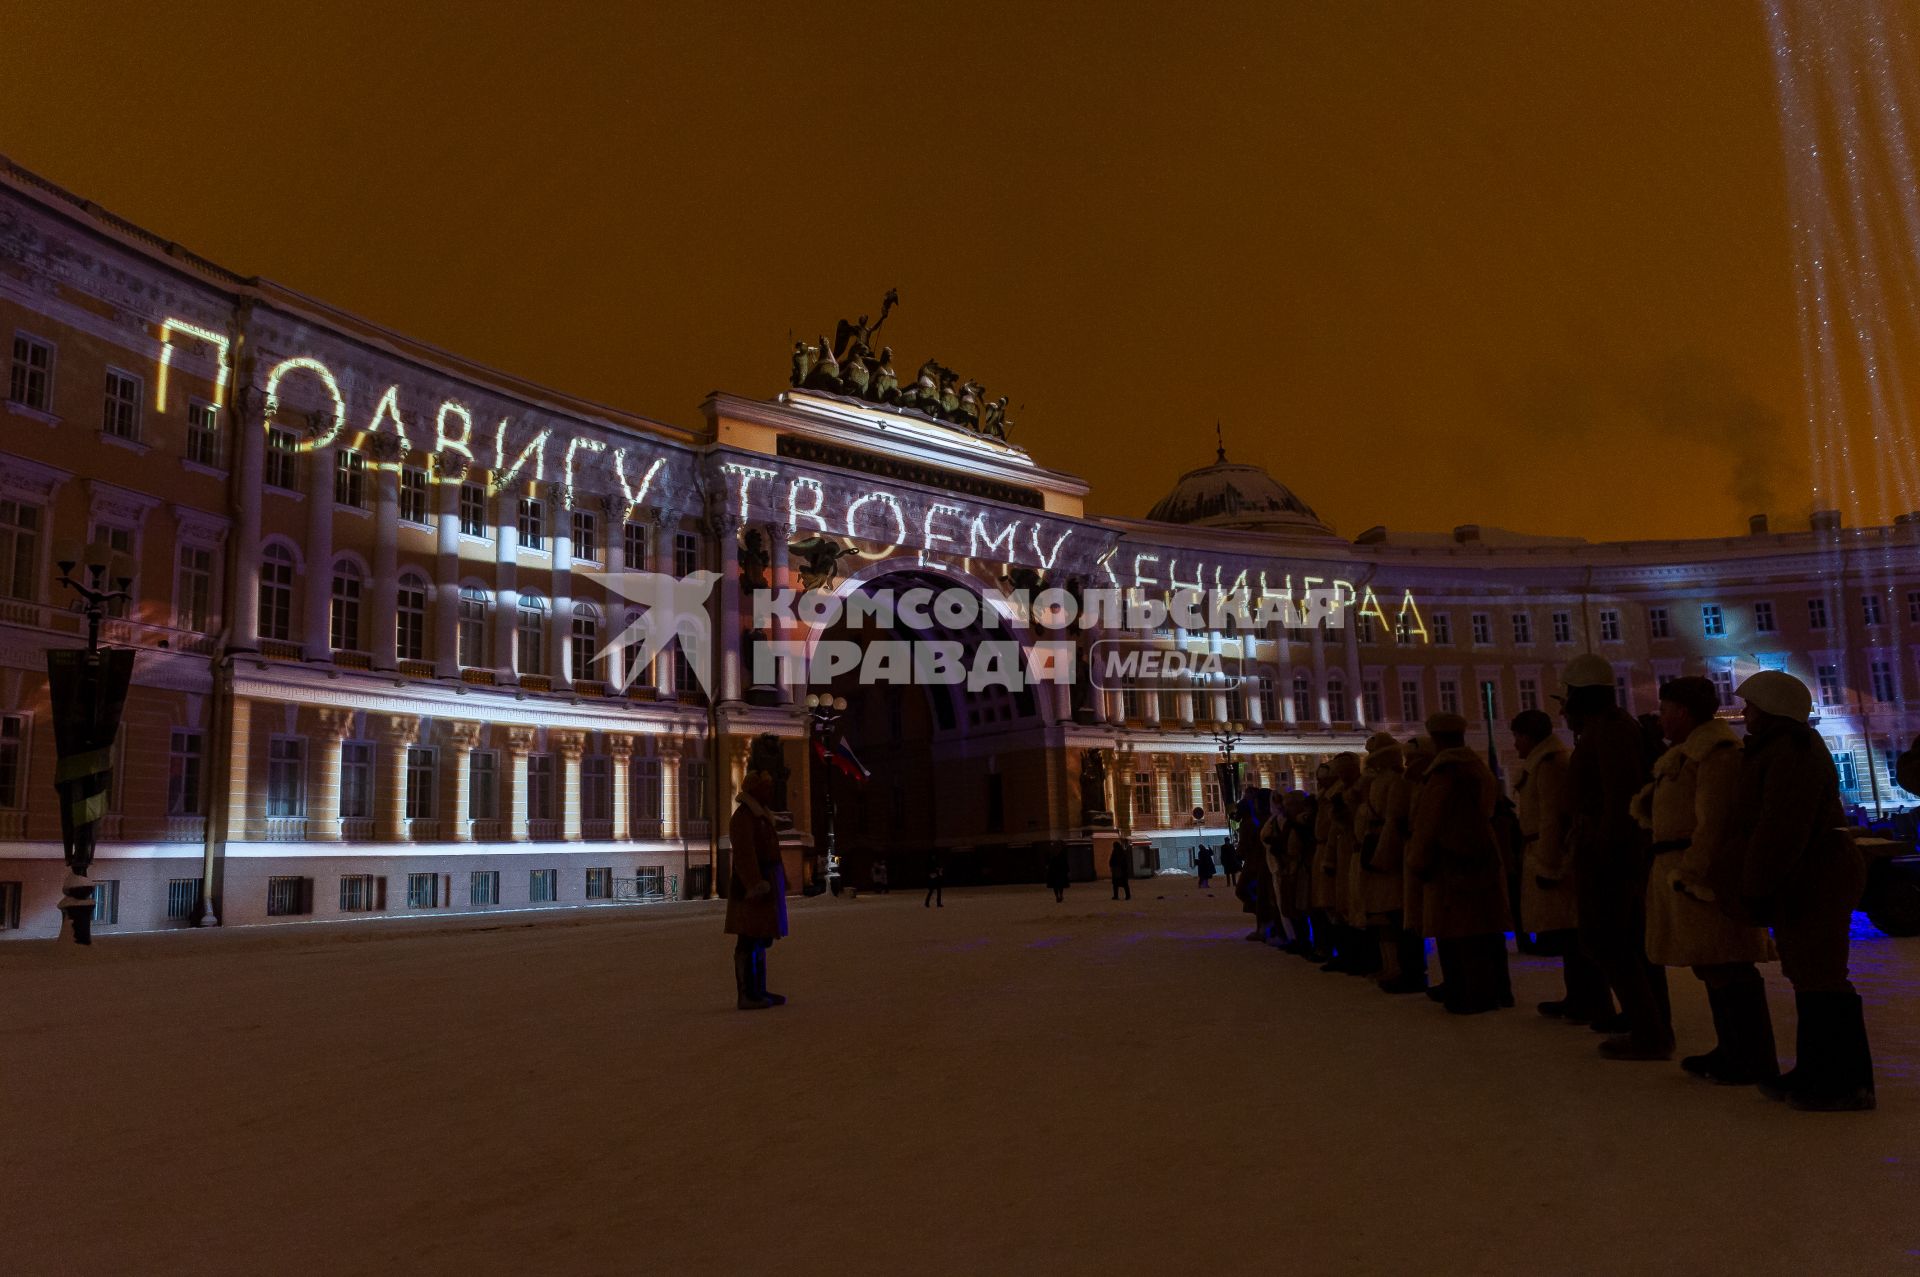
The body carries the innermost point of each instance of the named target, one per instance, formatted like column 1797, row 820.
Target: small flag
column 847, row 761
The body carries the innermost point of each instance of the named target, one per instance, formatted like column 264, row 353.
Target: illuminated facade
column 377, row 669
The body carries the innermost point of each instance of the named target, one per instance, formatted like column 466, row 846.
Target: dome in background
column 1230, row 494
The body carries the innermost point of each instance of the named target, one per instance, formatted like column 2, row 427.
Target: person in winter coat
column 1256, row 888
column 1381, row 893
column 1610, row 859
column 1120, row 869
column 1389, row 860
column 936, row 880
column 1548, row 905
column 1795, row 868
column 1688, row 809
column 1453, row 848
column 1230, row 864
column 1354, row 950
column 1203, row 867
column 1057, row 871
column 1293, row 840
column 1325, row 869
column 756, row 893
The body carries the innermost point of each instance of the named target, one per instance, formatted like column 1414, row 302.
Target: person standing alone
column 1120, row 869
column 936, row 878
column 756, row 893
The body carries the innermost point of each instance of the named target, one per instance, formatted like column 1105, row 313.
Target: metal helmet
column 1587, row 670
column 1778, row 692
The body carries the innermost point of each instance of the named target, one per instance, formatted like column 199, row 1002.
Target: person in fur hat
column 1689, row 809
column 1548, row 906
column 1454, row 849
column 756, row 892
column 1381, row 893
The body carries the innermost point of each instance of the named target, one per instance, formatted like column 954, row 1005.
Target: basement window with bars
column 423, row 891
column 483, row 887
column 600, row 884
column 543, row 886
column 9, row 906
column 106, row 902
column 362, row 893
column 289, row 896
column 183, row 898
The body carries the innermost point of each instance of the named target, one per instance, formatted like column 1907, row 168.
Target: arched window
column 1302, row 698
column 532, row 655
column 586, row 643
column 276, row 593
column 410, row 619
column 629, row 653
column 472, row 634
column 1338, row 710
column 348, row 585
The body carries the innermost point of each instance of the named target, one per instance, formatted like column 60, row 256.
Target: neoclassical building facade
column 385, row 655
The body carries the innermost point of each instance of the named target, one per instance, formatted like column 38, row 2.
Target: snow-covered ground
column 1005, row 1085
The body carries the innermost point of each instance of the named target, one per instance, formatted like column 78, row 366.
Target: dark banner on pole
column 89, row 692
column 1229, row 774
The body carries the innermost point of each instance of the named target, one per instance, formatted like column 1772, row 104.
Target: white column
column 327, row 729
column 394, row 735
column 1317, row 642
column 727, row 650
column 1356, row 688
column 515, row 742
column 616, row 561
column 560, row 631
column 385, row 595
column 446, row 580
column 568, row 746
column 620, row 756
column 250, row 455
column 780, row 577
column 506, row 592
column 457, row 740
column 319, row 554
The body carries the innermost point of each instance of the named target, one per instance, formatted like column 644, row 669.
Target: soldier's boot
column 1841, row 1077
column 1725, row 1034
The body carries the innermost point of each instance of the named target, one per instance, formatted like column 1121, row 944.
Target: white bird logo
column 674, row 607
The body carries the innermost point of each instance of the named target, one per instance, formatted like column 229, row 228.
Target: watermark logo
column 674, row 607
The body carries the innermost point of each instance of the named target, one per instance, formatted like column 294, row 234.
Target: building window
column 283, row 460
column 19, row 550
column 193, row 589
column 1816, row 614
column 1210, row 792
column 350, row 479
column 1870, row 610
column 693, row 792
column 1563, row 627
column 1529, row 694
column 1269, row 700
column 596, row 787
column 599, row 884
column 586, row 643
column 413, row 495
column 183, row 899
column 586, row 535
column 1609, row 625
column 423, row 891
column 473, row 510
column 1622, row 692
column 473, row 627
column 483, row 887
column 289, row 897
column 1376, row 701
column 683, row 681
column 1338, row 710
column 646, row 797
column 540, row 804
column 686, row 553
column 1722, row 684
column 1843, row 764
column 1713, row 622
column 203, row 434
column 543, row 886
column 1410, row 701
column 1482, row 629
column 121, row 540
column 1880, row 675
column 1302, row 699
column 483, row 791
column 1449, row 696
column 1763, row 618
column 276, row 593
column 184, row 770
column 1403, row 630
column 1143, row 795
column 121, row 418
column 410, row 619
column 1657, row 624
column 420, row 772
column 356, row 780
column 533, row 523
column 32, row 381
column 106, row 901
column 13, row 760
column 532, row 656
column 1442, row 626
column 286, row 777
column 634, row 543
column 9, row 906
column 362, row 893
column 344, row 619
column 1522, row 628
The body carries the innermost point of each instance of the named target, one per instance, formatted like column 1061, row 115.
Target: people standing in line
column 936, row 879
column 1257, row 892
column 1455, row 851
column 756, row 892
column 1389, row 861
column 1549, row 906
column 1120, row 869
column 1799, row 873
column 1610, row 860
column 1689, row 810
column 1354, row 950
column 1381, row 895
column 1288, row 839
column 1203, row 866
column 1057, row 871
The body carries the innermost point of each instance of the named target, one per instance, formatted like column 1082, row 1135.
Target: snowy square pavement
column 1005, row 1085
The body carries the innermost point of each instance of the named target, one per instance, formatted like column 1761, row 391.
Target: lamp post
column 823, row 715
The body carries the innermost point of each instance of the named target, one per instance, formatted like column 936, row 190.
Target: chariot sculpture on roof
column 850, row 367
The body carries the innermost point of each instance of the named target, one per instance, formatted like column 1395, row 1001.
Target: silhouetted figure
column 1120, row 869
column 1057, row 871
column 936, row 878
column 1204, row 866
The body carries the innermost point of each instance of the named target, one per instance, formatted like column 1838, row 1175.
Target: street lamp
column 104, row 566
column 823, row 714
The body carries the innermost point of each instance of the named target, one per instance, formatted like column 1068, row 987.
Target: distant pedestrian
column 1800, row 874
column 1204, row 867
column 756, row 893
column 1120, row 869
column 880, row 876
column 1057, row 871
column 936, row 878
column 1230, row 863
